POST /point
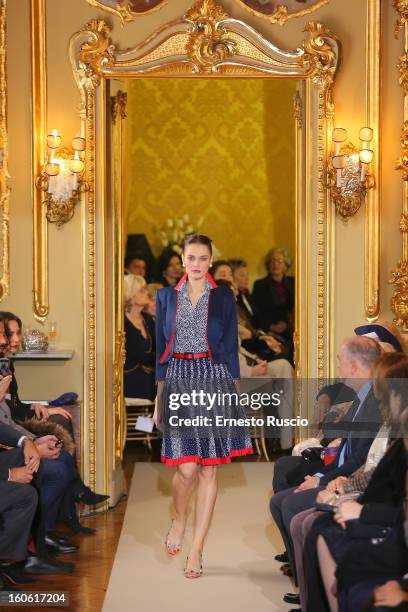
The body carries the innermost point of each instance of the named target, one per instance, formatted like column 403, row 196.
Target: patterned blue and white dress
column 207, row 443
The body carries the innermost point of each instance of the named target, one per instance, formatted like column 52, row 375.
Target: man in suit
column 244, row 298
column 18, row 501
column 360, row 425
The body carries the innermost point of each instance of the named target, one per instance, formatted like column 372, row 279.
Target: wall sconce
column 62, row 178
column 349, row 177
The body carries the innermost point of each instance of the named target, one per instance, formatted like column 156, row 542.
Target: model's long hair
column 390, row 373
column 197, row 239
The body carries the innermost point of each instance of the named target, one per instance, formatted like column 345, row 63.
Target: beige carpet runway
column 240, row 574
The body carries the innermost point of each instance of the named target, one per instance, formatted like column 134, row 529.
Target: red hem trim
column 208, row 460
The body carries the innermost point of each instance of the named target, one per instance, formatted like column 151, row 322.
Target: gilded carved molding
column 39, row 127
column 118, row 106
column 4, row 175
column 399, row 277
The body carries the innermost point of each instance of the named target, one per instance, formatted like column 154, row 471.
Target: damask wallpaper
column 217, row 149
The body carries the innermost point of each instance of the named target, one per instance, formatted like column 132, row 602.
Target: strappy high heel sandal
column 172, row 548
column 193, row 573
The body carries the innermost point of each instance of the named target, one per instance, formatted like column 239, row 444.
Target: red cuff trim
column 208, row 460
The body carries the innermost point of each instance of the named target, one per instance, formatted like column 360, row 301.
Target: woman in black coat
column 139, row 369
column 274, row 296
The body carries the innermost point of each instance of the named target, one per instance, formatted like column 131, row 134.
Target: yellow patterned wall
column 216, row 148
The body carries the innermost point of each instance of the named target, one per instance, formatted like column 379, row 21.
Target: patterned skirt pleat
column 206, row 442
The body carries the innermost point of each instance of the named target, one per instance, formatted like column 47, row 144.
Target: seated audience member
column 40, row 420
column 152, row 289
column 251, row 365
column 265, row 345
column 332, row 403
column 301, row 524
column 139, row 369
column 355, row 363
column 274, row 295
column 365, row 538
column 245, row 300
column 135, row 263
column 18, row 500
column 49, row 480
column 169, row 267
column 221, row 270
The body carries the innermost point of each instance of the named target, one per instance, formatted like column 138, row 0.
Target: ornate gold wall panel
column 4, row 188
column 39, row 127
column 208, row 47
column 372, row 201
column 118, row 174
column 399, row 277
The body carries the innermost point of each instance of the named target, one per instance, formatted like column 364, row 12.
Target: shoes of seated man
column 89, row 498
column 46, row 565
column 61, row 535
column 60, row 546
column 13, row 573
column 291, row 598
column 282, row 558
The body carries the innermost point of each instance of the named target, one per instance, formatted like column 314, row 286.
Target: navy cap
column 380, row 333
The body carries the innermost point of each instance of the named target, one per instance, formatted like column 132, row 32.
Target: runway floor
column 239, row 573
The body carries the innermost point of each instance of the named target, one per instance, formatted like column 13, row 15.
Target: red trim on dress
column 181, row 281
column 212, row 281
column 208, row 460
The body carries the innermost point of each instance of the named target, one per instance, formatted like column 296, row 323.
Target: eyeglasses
column 276, row 260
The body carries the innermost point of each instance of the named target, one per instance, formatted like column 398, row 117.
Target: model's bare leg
column 205, row 501
column 184, row 480
column 327, row 570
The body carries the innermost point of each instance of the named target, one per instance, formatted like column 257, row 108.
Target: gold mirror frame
column 204, row 43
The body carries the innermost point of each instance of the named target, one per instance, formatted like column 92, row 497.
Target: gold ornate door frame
column 204, row 44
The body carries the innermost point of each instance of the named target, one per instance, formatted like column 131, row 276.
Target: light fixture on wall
column 62, row 178
column 349, row 176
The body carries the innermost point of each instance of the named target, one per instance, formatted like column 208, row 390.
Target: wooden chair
column 135, row 407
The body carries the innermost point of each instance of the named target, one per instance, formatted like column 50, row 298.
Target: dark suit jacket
column 222, row 327
column 9, row 437
column 253, row 313
column 368, row 419
column 266, row 300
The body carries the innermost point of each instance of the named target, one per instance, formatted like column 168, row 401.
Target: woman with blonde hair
column 139, row 379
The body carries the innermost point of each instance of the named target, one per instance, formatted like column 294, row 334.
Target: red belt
column 191, row 355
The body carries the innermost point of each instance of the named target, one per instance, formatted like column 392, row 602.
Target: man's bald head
column 356, row 358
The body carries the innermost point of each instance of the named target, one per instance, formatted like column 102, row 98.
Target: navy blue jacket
column 369, row 419
column 222, row 327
